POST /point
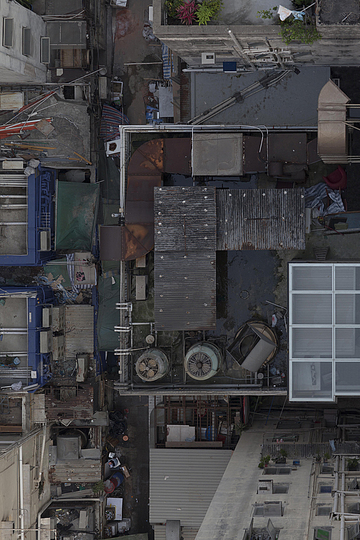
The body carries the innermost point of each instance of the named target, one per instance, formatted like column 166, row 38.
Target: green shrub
column 209, row 9
column 293, row 30
column 171, row 7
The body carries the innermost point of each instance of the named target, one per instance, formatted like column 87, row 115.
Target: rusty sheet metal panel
column 79, row 406
column 76, row 470
column 138, row 240
column 290, row 147
column 177, row 156
column 185, row 219
column 125, row 243
column 260, row 219
column 185, row 290
column 111, row 245
column 79, row 333
column 141, row 188
column 255, row 158
column 148, row 159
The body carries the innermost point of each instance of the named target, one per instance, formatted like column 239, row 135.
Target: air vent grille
column 148, row 367
column 199, row 364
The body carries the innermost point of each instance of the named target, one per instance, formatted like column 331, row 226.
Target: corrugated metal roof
column 185, row 258
column 260, row 219
column 187, row 533
column 185, row 291
column 79, row 335
column 185, row 219
column 183, row 483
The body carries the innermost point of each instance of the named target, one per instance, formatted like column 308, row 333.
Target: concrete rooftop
column 290, row 102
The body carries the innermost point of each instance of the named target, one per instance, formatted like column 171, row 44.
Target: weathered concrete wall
column 11, row 503
column 338, row 46
column 14, row 66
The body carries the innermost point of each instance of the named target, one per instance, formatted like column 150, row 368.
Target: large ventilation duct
column 202, row 361
column 152, row 365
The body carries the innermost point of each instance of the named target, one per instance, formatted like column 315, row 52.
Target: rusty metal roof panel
column 78, row 404
column 125, row 243
column 260, row 219
column 177, row 156
column 185, row 290
column 141, row 188
column 148, row 159
column 185, row 219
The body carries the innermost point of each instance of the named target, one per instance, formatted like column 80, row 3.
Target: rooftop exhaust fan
column 152, row 365
column 202, row 361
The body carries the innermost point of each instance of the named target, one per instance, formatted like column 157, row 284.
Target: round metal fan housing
column 202, row 361
column 152, row 365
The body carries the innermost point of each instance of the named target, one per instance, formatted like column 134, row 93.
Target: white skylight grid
column 324, row 330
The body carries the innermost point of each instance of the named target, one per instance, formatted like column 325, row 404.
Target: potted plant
column 264, row 461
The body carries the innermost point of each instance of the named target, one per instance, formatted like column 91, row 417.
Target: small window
column 322, row 533
column 265, row 486
column 277, row 470
column 26, row 41
column 354, row 508
column 8, row 31
column 325, row 489
column 269, row 508
column 353, row 484
column 45, row 50
column 323, row 510
column 280, row 488
column 353, row 532
column 327, row 469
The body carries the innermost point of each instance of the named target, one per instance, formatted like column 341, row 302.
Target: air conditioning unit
column 58, row 347
column 208, row 58
column 46, row 317
column 58, row 318
column 45, row 50
column 113, row 147
column 45, row 342
column 82, row 363
column 45, row 241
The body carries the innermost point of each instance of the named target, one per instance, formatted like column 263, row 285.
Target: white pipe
column 342, row 500
column 21, row 487
column 336, row 484
column 42, row 455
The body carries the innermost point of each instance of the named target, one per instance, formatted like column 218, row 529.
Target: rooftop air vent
column 152, row 365
column 208, row 58
column 202, row 361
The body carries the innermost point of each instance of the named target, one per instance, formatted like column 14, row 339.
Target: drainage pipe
column 336, row 487
column 21, row 489
column 342, row 500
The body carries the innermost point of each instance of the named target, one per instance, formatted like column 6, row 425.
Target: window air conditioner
column 208, row 58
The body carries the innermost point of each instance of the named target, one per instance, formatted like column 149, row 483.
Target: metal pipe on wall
column 21, row 490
